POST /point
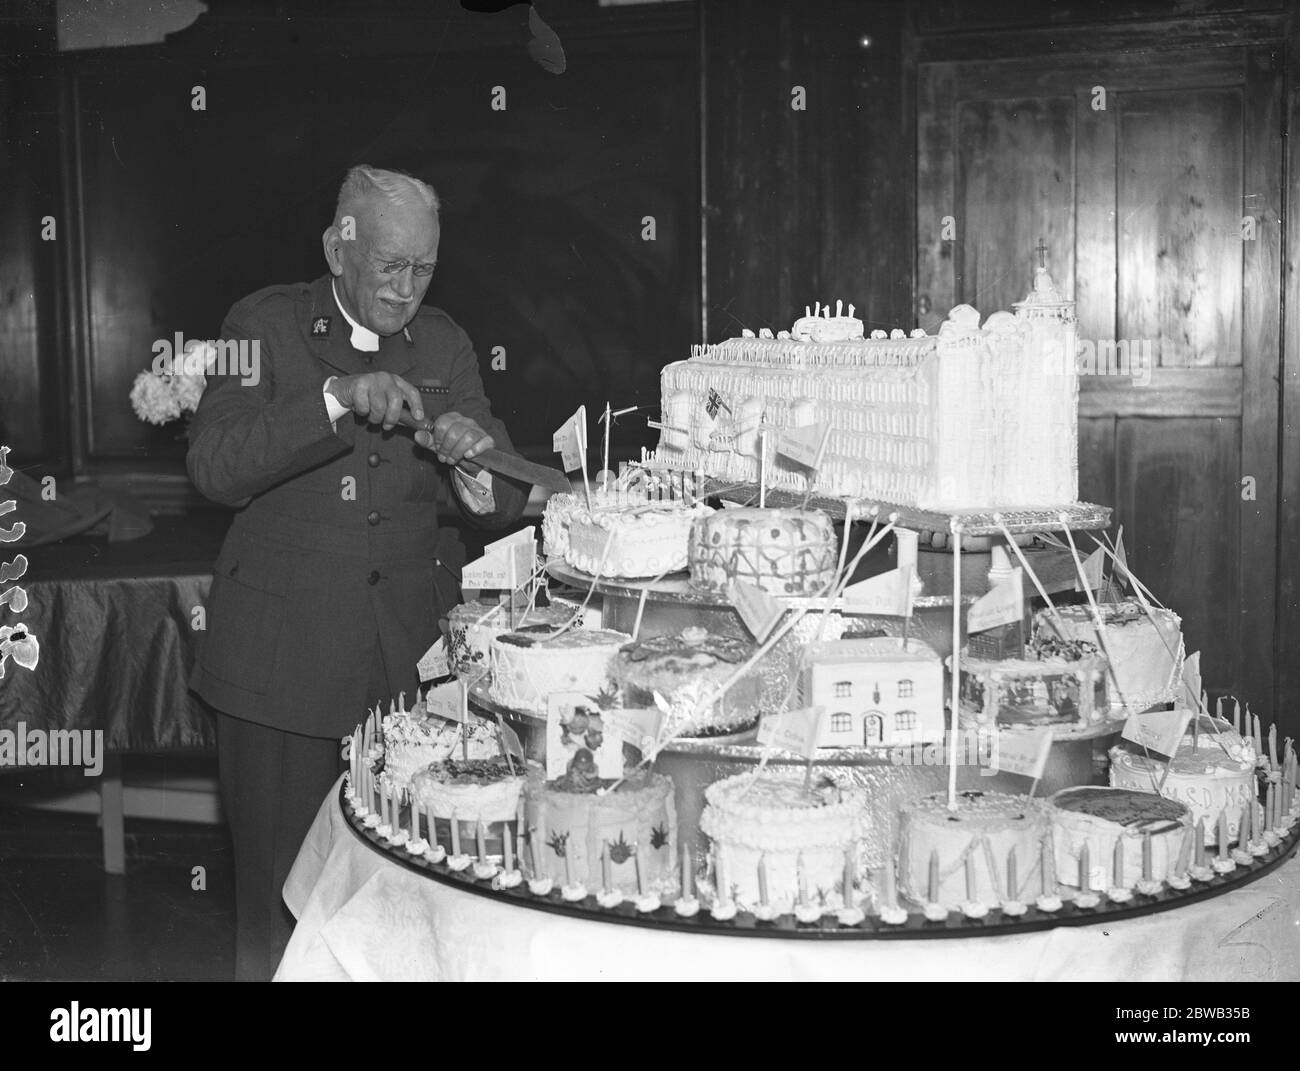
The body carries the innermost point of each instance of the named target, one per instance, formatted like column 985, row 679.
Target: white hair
column 396, row 187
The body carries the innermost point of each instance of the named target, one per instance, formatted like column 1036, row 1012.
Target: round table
column 362, row 916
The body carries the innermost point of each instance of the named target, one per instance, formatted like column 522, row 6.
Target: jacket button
column 373, row 578
column 373, row 516
column 373, row 461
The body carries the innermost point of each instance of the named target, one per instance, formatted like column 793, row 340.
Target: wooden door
column 1154, row 179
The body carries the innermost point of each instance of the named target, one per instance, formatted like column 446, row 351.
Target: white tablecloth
column 365, row 918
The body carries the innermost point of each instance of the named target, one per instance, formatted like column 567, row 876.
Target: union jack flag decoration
column 714, row 403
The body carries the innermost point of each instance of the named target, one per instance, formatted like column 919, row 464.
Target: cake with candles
column 1145, row 651
column 644, row 539
column 986, row 851
column 981, row 415
column 1058, row 683
column 530, row 663
column 686, row 669
column 1112, row 838
column 781, row 551
column 602, row 836
column 411, row 740
column 1212, row 773
column 782, row 845
column 560, row 511
column 474, row 625
column 467, row 804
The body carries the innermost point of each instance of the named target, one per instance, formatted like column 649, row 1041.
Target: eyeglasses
column 396, row 267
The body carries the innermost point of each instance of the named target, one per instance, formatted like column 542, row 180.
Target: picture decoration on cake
column 558, row 843
column 577, row 744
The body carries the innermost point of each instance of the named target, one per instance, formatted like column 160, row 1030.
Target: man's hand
column 455, row 438
column 378, row 396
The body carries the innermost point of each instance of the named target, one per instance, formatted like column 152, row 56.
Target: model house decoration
column 879, row 691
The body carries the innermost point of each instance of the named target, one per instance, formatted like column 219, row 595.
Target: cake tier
column 1069, row 693
column 478, row 790
column 474, row 625
column 636, row 541
column 686, row 669
column 1146, row 655
column 1104, row 817
column 413, row 742
column 530, row 663
column 792, row 831
column 973, row 843
column 977, row 417
column 638, row 821
column 1208, row 780
column 782, row 551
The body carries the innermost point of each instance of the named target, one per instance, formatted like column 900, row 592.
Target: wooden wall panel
column 815, row 205
column 1015, row 186
column 1177, row 482
column 1179, row 205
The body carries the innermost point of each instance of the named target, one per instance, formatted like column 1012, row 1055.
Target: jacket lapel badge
column 320, row 326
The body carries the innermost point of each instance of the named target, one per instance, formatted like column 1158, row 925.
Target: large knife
column 495, row 460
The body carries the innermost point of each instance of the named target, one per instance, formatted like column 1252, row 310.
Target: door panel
column 1136, row 170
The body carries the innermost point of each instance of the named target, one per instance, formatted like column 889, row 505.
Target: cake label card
column 577, row 740
column 793, row 730
column 1001, row 606
column 1021, row 752
column 448, row 701
column 758, row 610
column 570, row 439
column 804, row 445
column 1160, row 731
column 434, row 663
column 887, row 595
column 505, row 564
column 638, row 726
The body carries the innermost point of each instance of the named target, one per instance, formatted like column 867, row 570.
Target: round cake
column 1103, row 817
column 1058, row 683
column 559, row 513
column 474, row 625
column 772, row 818
column 477, row 790
column 1215, row 777
column 686, row 668
column 973, row 843
column 530, row 663
column 412, row 742
column 633, row 541
column 782, row 551
column 1145, row 655
column 636, row 824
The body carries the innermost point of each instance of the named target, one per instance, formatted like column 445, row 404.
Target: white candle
column 687, row 876
column 1085, row 870
column 606, row 868
column 508, row 848
column 970, row 877
column 1013, row 884
column 455, row 834
column 481, row 837
column 762, row 881
column 1118, row 866
column 1146, row 855
column 1272, row 746
column 1236, row 715
column 934, row 876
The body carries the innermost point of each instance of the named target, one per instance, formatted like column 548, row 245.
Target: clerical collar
column 363, row 338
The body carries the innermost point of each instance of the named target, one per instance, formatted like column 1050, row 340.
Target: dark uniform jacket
column 335, row 549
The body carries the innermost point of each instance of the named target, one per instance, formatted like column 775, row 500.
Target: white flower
column 153, row 399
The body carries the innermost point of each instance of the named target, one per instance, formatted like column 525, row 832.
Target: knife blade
column 495, row 460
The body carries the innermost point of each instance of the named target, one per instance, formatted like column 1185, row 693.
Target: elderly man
column 334, row 573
